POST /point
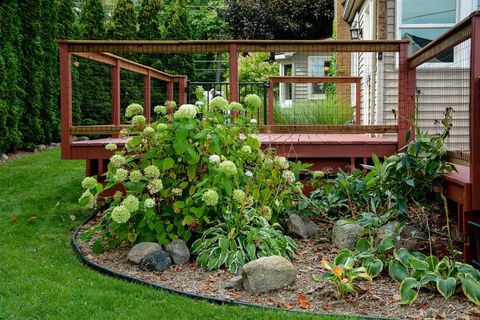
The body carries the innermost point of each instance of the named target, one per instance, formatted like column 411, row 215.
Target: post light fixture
column 355, row 31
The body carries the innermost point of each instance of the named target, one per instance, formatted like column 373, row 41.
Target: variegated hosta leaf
column 446, row 287
column 409, row 290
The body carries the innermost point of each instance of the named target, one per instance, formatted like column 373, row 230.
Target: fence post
column 182, row 94
column 406, row 98
column 358, row 101
column 265, row 102
column 147, row 100
column 270, row 102
column 475, row 112
column 170, row 90
column 233, row 74
column 116, row 93
column 65, row 99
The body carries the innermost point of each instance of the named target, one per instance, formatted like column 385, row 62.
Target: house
column 302, row 64
column 442, row 83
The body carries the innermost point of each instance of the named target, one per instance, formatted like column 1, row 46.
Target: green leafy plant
column 182, row 173
column 342, row 274
column 416, row 271
column 241, row 238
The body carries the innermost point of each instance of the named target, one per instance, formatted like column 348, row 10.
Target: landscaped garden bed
column 201, row 208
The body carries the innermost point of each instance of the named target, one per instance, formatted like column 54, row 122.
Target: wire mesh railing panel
column 158, row 91
column 443, row 83
column 91, row 92
column 131, row 91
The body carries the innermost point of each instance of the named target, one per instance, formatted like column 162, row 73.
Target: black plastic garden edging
column 128, row 278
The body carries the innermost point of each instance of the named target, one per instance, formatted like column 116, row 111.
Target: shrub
column 186, row 172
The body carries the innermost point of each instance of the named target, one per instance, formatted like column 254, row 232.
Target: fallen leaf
column 474, row 311
column 271, row 301
column 14, row 218
column 396, row 297
column 32, row 219
column 440, row 314
column 303, row 301
column 205, row 287
column 73, row 217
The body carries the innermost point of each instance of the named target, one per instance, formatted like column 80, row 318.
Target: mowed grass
column 40, row 277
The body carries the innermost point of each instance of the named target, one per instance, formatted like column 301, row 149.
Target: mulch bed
column 379, row 298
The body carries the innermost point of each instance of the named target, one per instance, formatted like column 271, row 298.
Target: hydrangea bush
column 180, row 174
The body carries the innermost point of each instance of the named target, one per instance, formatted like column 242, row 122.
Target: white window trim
column 399, row 25
column 312, row 96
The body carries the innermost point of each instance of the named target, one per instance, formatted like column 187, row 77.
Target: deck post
column 233, row 72
column 116, row 93
column 475, row 112
column 182, row 90
column 65, row 99
column 270, row 102
column 406, row 97
column 358, row 101
column 147, row 96
column 170, row 90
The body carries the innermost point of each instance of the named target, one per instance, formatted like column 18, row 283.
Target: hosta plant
column 342, row 274
column 416, row 271
column 241, row 238
column 182, row 173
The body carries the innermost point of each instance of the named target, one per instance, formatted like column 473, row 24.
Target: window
column 423, row 21
column 316, row 68
column 288, row 71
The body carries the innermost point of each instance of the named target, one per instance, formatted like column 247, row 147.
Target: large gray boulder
column 268, row 273
column 312, row 228
column 407, row 237
column 345, row 234
column 179, row 252
column 296, row 226
column 140, row 250
column 157, row 260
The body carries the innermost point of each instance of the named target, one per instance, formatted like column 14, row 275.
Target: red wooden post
column 475, row 112
column 147, row 96
column 270, row 102
column 170, row 90
column 65, row 99
column 406, row 97
column 116, row 93
column 358, row 101
column 233, row 74
column 182, row 90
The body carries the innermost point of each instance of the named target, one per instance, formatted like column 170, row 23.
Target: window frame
column 324, row 58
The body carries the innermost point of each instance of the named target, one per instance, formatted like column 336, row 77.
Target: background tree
column 124, row 21
column 278, row 19
column 92, row 20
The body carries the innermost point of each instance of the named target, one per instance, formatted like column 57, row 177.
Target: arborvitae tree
column 92, row 20
column 124, row 21
column 11, row 83
column 177, row 27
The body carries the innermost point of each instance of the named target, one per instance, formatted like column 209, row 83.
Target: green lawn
column 40, row 277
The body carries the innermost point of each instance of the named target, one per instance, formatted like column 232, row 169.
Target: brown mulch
column 379, row 298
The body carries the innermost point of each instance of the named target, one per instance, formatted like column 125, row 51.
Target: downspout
column 373, row 77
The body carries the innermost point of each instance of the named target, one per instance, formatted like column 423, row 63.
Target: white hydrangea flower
column 186, row 111
column 219, row 104
column 139, row 120
column 238, row 195
column 120, row 214
column 162, row 127
column 152, row 172
column 228, row 168
column 131, row 203
column 177, row 192
column 249, row 173
column 266, row 212
column 288, row 176
column 160, row 109
column 149, row 203
column 256, row 137
column 117, row 160
column 124, row 133
column 155, row 185
column 89, row 183
column 318, row 174
column 133, row 109
column 111, row 147
column 136, row 176
column 120, row 175
column 250, row 201
column 235, row 106
column 253, row 121
column 281, row 162
column 246, row 150
column 92, row 200
column 148, row 131
column 210, row 197
column 214, row 158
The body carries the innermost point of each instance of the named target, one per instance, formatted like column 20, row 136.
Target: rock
column 345, row 234
column 140, row 250
column 53, row 144
column 312, row 228
column 268, row 273
column 236, row 283
column 388, row 230
column 4, row 157
column 41, row 147
column 412, row 239
column 157, row 260
column 179, row 252
column 83, row 138
column 296, row 226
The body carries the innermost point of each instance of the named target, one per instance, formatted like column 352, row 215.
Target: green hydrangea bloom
column 210, row 197
column 238, row 195
column 162, row 127
column 288, row 176
column 186, row 111
column 149, row 203
column 117, row 160
column 92, row 201
column 246, row 150
column 89, row 183
column 235, row 106
column 120, row 175
column 148, row 131
column 266, row 212
column 111, row 147
column 151, row 172
column 219, row 104
column 136, row 176
column 281, row 162
column 228, row 168
column 155, row 185
column 120, row 214
column 139, row 120
column 253, row 101
column 177, row 192
column 133, row 109
column 131, row 203
column 160, row 109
